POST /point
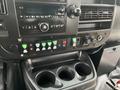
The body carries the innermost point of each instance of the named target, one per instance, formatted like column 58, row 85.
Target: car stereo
column 47, row 17
column 41, row 18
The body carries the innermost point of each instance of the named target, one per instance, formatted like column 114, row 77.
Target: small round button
column 99, row 37
column 44, row 27
column 77, row 12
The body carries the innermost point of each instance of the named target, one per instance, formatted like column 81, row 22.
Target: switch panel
column 54, row 44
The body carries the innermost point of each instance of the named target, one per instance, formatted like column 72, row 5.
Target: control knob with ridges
column 44, row 27
column 73, row 11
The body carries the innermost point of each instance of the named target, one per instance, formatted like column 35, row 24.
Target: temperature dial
column 44, row 27
column 73, row 11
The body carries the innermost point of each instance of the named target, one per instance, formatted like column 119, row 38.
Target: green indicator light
column 55, row 42
column 49, row 43
column 43, row 44
column 74, row 39
column 24, row 46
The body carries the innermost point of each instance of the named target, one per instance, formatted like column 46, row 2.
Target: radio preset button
column 29, row 27
column 35, row 27
column 37, row 16
column 44, row 27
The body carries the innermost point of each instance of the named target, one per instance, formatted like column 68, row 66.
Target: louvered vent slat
column 96, row 13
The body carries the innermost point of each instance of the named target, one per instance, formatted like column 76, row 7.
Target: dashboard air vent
column 96, row 12
column 2, row 7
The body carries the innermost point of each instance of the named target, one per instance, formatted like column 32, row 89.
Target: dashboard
column 33, row 28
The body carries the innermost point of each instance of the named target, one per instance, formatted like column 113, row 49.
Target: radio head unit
column 43, row 18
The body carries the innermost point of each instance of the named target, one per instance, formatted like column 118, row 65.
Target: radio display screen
column 40, row 9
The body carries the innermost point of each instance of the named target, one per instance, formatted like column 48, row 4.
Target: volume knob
column 44, row 27
column 73, row 11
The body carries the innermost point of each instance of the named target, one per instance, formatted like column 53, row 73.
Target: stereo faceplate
column 41, row 18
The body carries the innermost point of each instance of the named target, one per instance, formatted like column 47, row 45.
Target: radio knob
column 44, row 27
column 73, row 11
column 62, row 10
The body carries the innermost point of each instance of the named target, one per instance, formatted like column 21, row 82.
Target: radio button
column 44, row 27
column 37, row 16
column 32, row 16
column 35, row 27
column 26, row 16
column 29, row 27
column 62, row 10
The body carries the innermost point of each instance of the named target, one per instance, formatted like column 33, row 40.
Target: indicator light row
column 47, row 45
column 40, row 46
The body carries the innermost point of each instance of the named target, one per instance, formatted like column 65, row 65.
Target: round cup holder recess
column 82, row 70
column 66, row 73
column 45, row 79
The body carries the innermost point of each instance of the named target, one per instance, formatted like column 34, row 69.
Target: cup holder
column 83, row 69
column 66, row 73
column 45, row 79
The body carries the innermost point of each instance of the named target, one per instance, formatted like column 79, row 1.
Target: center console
column 68, row 71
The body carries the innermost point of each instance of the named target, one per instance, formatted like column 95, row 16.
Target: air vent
column 118, row 2
column 2, row 7
column 96, row 17
column 96, row 12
